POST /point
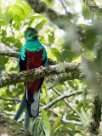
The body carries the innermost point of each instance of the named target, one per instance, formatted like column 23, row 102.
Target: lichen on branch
column 17, row 77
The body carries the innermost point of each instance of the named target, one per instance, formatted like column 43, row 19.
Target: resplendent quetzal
column 32, row 55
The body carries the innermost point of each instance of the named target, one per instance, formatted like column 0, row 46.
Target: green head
column 30, row 34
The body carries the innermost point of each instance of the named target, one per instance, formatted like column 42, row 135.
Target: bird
column 32, row 55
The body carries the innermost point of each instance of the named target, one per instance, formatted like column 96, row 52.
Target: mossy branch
column 55, row 74
column 18, row 77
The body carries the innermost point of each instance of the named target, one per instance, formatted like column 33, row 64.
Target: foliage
column 80, row 41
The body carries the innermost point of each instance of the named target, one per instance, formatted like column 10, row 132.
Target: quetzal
column 32, row 55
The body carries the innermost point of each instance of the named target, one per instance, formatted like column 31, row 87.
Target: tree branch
column 51, row 80
column 65, row 121
column 9, row 54
column 66, row 101
column 31, row 75
column 6, row 51
column 61, row 97
column 41, row 7
column 59, row 78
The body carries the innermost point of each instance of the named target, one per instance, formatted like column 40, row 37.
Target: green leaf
column 31, row 19
column 11, row 39
column 49, row 2
column 51, row 37
column 55, row 125
column 25, row 7
column 2, row 22
column 43, row 100
column 68, row 55
column 47, row 126
column 58, row 128
column 16, row 18
column 40, row 25
column 37, row 127
column 3, row 61
column 90, row 38
column 17, row 43
column 14, row 10
column 56, row 53
column 86, row 11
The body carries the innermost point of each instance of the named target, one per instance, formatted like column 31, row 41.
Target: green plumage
column 30, row 34
column 32, row 44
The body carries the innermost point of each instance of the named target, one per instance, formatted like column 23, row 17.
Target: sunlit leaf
column 86, row 11
column 40, row 25
column 47, row 126
column 51, row 37
column 56, row 53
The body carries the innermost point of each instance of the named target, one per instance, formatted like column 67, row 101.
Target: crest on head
column 30, row 34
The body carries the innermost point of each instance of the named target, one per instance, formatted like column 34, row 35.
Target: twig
column 75, row 111
column 64, row 6
column 7, row 51
column 65, row 121
column 67, row 103
column 61, row 97
column 9, row 54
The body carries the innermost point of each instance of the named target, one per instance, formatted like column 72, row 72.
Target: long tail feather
column 21, row 108
column 33, row 104
column 26, row 120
